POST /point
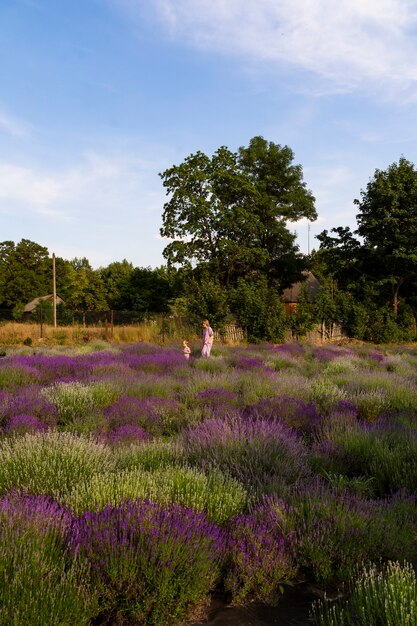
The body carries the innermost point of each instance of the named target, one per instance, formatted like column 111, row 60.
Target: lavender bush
column 40, row 582
column 381, row 595
column 50, row 463
column 254, row 451
column 261, row 562
column 219, row 496
column 152, row 565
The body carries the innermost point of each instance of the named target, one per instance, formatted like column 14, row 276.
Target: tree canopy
column 387, row 222
column 230, row 211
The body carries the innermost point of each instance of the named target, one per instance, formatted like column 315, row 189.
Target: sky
column 97, row 97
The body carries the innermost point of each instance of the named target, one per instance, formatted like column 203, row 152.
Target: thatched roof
column 311, row 284
column 31, row 306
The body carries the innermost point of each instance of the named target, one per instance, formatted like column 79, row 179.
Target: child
column 186, row 350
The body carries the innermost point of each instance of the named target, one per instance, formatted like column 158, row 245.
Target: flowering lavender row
column 263, row 466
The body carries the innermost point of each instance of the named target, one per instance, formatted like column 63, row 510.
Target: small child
column 186, row 350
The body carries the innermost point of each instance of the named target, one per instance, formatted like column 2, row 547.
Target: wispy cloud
column 96, row 207
column 12, row 125
column 99, row 185
column 345, row 42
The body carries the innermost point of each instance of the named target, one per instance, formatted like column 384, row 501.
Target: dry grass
column 13, row 334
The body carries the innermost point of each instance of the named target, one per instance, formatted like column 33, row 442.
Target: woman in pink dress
column 207, row 339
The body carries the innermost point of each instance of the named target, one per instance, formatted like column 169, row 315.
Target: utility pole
column 308, row 238
column 54, row 287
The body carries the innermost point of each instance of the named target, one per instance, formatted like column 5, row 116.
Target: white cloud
column 12, row 125
column 106, row 206
column 346, row 42
column 96, row 185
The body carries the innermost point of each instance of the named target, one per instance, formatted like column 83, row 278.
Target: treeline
column 26, row 273
column 231, row 254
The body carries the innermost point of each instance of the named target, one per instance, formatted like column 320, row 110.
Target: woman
column 207, row 339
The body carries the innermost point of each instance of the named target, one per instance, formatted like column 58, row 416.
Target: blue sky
column 99, row 96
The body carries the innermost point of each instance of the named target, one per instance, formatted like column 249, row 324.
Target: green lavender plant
column 51, row 462
column 41, row 582
column 385, row 595
column 75, row 401
column 219, row 496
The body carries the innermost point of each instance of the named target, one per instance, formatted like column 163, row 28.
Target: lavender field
column 133, row 484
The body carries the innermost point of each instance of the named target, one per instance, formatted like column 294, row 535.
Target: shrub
column 384, row 450
column 149, row 455
column 218, row 496
column 51, row 462
column 152, row 565
column 40, row 583
column 260, row 561
column 255, row 452
column 331, row 532
column 380, row 595
column 20, row 424
column 75, row 401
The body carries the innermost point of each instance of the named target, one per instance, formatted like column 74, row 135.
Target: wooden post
column 54, row 287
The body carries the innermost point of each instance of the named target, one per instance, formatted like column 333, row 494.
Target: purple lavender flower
column 329, row 353
column 127, row 434
column 290, row 349
column 297, row 413
column 25, row 424
column 128, row 410
column 28, row 401
column 21, row 510
column 251, row 450
column 155, row 562
column 261, row 560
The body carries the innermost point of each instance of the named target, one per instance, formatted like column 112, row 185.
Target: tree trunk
column 395, row 289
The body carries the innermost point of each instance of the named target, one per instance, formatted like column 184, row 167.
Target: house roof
column 31, row 306
column 310, row 283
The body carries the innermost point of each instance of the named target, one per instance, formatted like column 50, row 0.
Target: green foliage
column 147, row 289
column 18, row 311
column 302, row 320
column 380, row 595
column 44, row 312
column 116, row 279
column 208, row 299
column 219, row 496
column 25, row 272
column 76, row 401
column 50, row 463
column 87, row 292
column 259, row 310
column 387, row 455
column 40, row 583
column 230, row 211
column 354, row 316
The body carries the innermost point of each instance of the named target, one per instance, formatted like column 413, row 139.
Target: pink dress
column 207, row 341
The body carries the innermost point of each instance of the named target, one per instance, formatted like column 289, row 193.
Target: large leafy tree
column 116, row 278
column 387, row 222
column 86, row 288
column 148, row 290
column 230, row 212
column 25, row 272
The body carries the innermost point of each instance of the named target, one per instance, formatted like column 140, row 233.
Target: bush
column 152, row 565
column 50, row 463
column 218, row 496
column 381, row 595
column 40, row 583
column 255, row 452
column 260, row 561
